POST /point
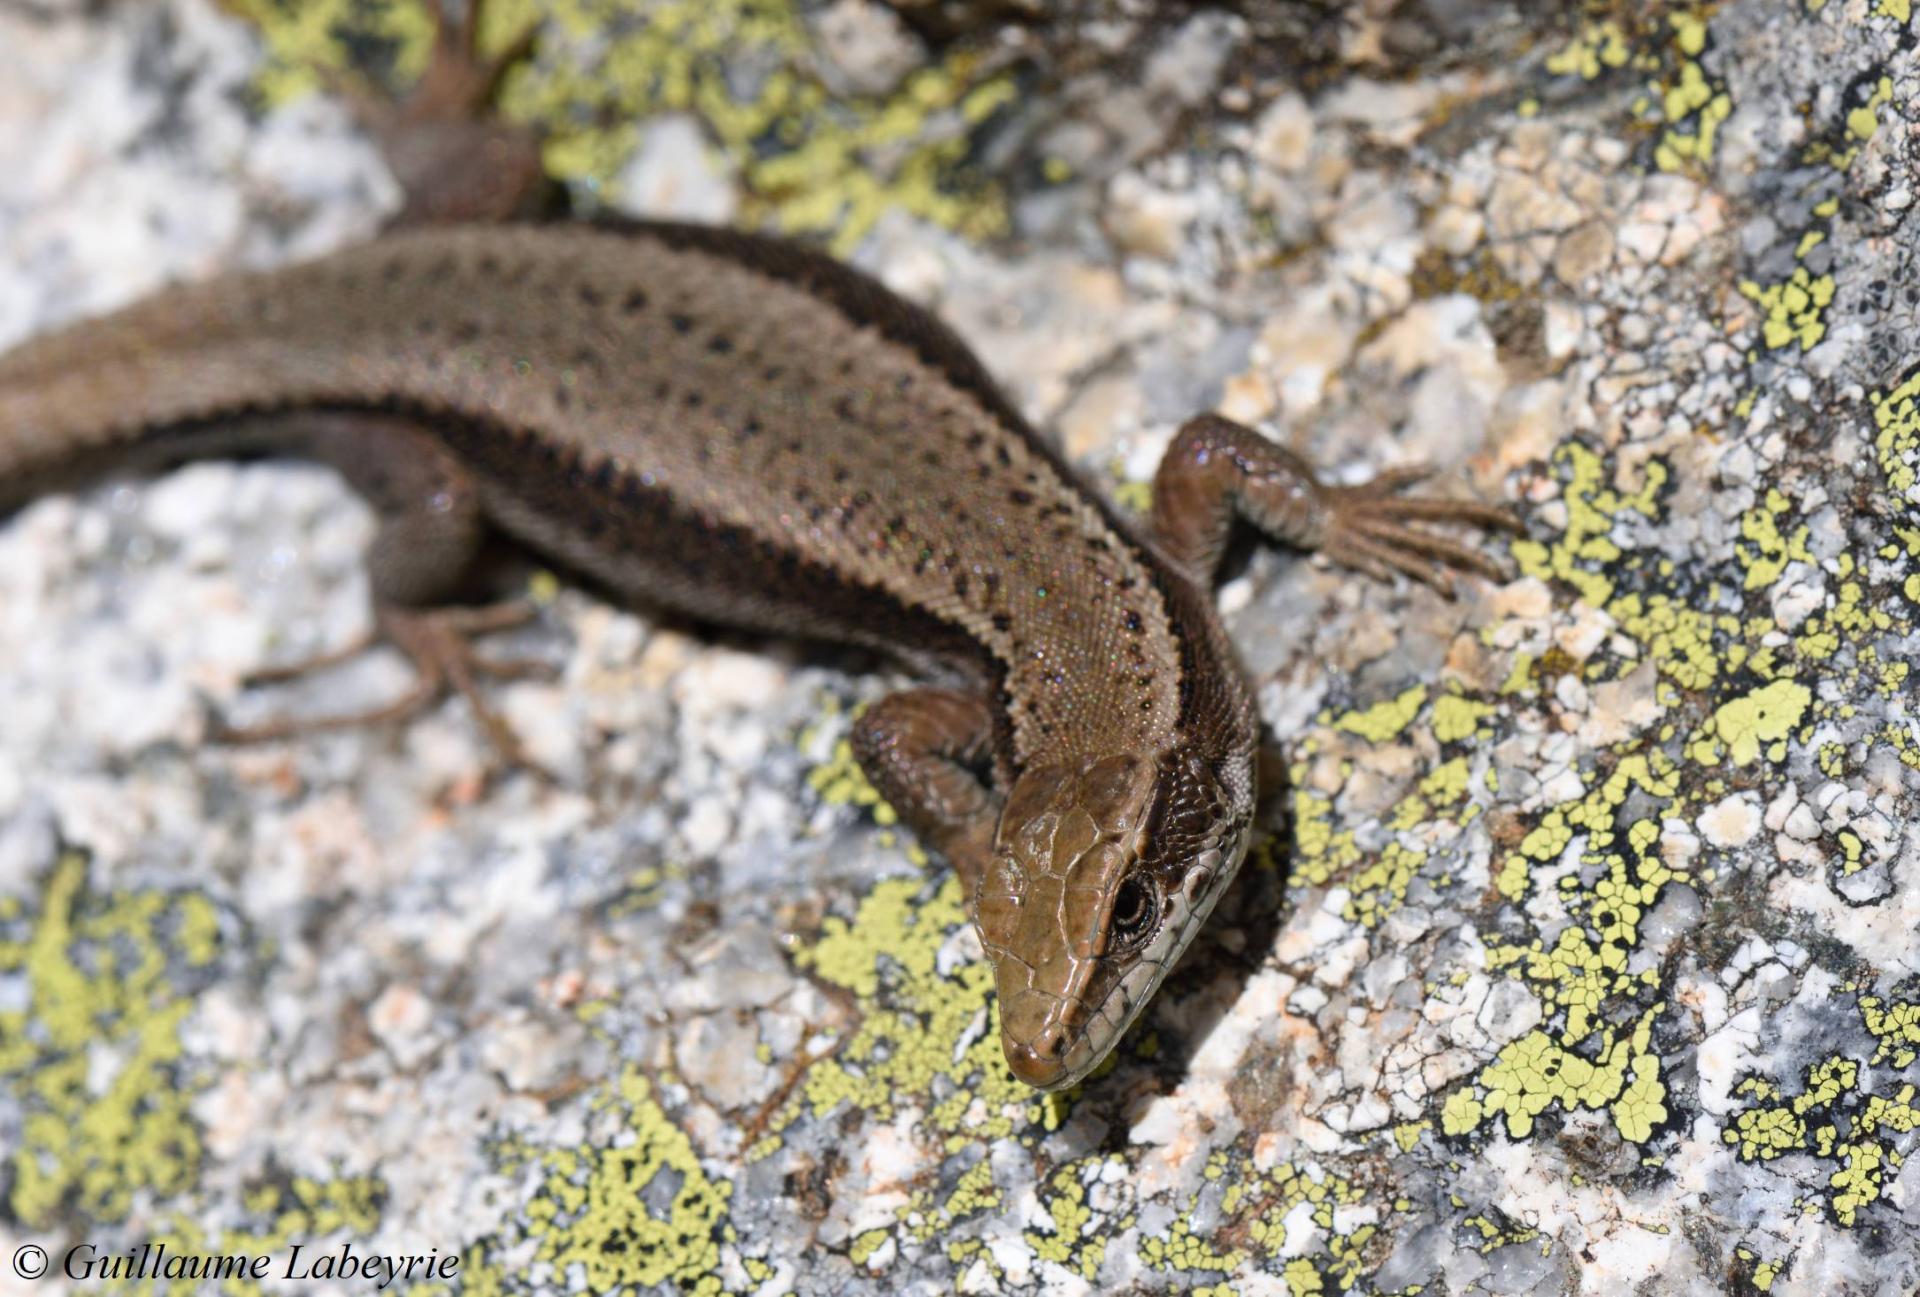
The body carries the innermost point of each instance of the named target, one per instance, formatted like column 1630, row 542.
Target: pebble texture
column 1582, row 956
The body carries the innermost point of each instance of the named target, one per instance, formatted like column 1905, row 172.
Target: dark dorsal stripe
column 864, row 300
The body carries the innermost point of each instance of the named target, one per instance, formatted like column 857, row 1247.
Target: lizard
column 749, row 432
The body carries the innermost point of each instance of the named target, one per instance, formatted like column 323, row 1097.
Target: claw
column 1428, row 509
column 307, row 666
column 1347, row 555
column 1397, row 478
column 435, row 641
column 1370, row 529
column 1405, row 561
column 1449, row 551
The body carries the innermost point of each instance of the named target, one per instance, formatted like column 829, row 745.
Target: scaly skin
column 753, row 434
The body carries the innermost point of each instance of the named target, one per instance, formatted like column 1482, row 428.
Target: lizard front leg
column 1217, row 470
column 922, row 749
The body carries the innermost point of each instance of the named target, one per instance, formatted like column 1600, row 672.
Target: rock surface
column 1585, row 956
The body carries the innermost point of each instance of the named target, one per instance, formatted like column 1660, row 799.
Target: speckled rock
column 1581, row 957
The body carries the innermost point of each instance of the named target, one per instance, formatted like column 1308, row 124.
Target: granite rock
column 1581, row 953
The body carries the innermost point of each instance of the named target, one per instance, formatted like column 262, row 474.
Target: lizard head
column 1103, row 869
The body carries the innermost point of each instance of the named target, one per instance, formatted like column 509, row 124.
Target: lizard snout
column 1036, row 1038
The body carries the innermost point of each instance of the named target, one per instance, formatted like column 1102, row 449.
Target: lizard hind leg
column 436, row 641
column 431, row 527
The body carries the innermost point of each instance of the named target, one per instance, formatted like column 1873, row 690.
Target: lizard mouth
column 1044, row 1039
column 1052, row 1042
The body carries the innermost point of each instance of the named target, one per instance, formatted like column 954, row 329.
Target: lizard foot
column 436, row 641
column 462, row 81
column 1370, row 528
column 454, row 158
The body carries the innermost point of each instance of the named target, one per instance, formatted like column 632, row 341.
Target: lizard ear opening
column 1188, row 804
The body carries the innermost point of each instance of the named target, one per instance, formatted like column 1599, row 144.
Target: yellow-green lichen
column 1896, row 443
column 1256, row 1205
column 300, row 1211
column 1380, row 722
column 1896, row 1026
column 1755, row 723
column 308, row 41
column 1456, row 718
column 1766, row 552
column 1496, row 1231
column 94, row 1057
column 1072, row 1240
column 1588, row 1063
column 912, row 1013
column 1863, row 122
column 808, row 158
column 840, row 781
column 1534, row 1073
column 1377, row 882
column 1693, row 104
column 594, row 1209
column 1595, row 47
column 1795, row 308
column 1591, row 510
column 1829, row 1119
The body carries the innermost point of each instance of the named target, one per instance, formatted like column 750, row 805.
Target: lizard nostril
column 1040, row 1061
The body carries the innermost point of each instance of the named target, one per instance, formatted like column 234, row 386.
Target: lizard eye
column 1134, row 912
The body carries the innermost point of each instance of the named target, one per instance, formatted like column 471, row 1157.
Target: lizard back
column 768, row 438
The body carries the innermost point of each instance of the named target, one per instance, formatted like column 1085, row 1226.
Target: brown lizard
column 749, row 432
